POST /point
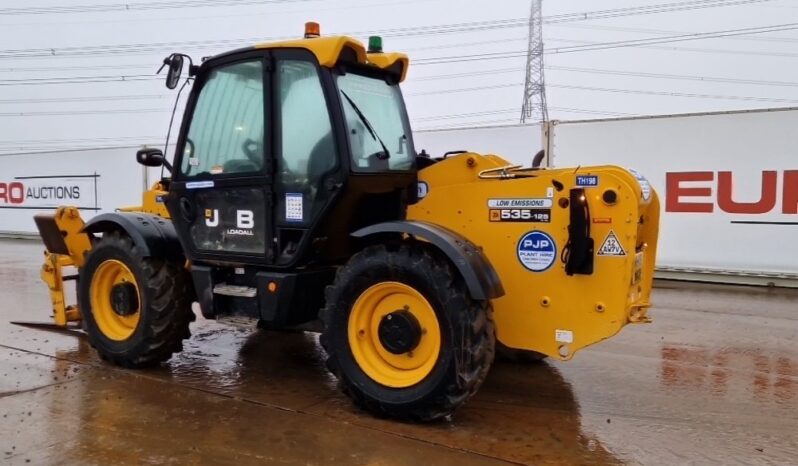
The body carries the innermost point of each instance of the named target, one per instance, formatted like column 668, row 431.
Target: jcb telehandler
column 296, row 194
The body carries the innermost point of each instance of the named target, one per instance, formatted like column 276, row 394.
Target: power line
column 160, row 5
column 516, row 69
column 85, row 112
column 593, row 112
column 183, row 17
column 670, row 32
column 44, row 69
column 736, row 52
column 674, row 76
column 624, row 91
column 676, row 38
column 135, row 6
column 468, row 89
column 146, row 47
column 459, row 45
column 465, row 115
column 471, row 124
column 505, row 111
column 32, row 149
column 468, row 58
column 395, row 32
column 675, row 94
column 104, row 98
column 646, row 10
column 452, row 59
column 610, row 45
column 77, row 80
column 76, row 140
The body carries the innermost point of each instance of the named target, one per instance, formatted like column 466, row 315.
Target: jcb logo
column 244, row 218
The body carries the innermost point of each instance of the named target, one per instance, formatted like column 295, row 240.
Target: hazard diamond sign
column 611, row 246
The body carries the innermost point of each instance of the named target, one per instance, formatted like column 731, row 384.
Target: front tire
column 136, row 310
column 402, row 334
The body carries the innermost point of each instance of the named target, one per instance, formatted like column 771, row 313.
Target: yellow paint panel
column 152, row 202
column 387, row 60
column 326, row 49
column 542, row 307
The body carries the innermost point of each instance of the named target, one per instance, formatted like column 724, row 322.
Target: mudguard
column 154, row 236
column 481, row 278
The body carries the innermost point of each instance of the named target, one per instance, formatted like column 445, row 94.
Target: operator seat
column 322, row 159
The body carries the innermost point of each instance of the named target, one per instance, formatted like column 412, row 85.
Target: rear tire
column 155, row 311
column 415, row 279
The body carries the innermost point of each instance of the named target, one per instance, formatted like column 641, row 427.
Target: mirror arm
column 168, row 166
column 165, row 63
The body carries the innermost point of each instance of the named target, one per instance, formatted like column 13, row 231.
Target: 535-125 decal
column 520, row 215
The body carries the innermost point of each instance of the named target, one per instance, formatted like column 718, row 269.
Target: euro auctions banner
column 50, row 191
column 94, row 181
column 727, row 182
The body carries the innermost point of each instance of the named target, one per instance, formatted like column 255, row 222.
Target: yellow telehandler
column 296, row 194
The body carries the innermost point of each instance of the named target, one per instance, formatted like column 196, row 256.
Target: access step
column 238, row 291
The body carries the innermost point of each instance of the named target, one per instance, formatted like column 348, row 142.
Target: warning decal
column 611, row 246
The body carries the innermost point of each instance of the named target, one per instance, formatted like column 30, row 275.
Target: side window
column 226, row 133
column 373, row 102
column 307, row 149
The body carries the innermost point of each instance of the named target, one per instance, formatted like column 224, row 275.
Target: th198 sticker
column 537, row 251
column 587, row 181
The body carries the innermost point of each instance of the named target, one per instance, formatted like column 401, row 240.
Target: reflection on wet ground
column 761, row 374
column 712, row 381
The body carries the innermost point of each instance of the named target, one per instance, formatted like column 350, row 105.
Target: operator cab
column 286, row 148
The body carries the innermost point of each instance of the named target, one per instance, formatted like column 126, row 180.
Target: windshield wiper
column 385, row 154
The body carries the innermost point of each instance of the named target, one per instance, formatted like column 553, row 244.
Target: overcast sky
column 471, row 77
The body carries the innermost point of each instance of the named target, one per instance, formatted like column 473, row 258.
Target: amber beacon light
column 312, row 30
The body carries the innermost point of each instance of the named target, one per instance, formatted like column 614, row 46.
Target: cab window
column 226, row 133
column 377, row 124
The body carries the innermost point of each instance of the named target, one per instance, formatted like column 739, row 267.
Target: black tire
column 466, row 331
column 519, row 356
column 165, row 297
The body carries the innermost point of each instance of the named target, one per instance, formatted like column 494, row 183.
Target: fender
column 152, row 235
column 481, row 278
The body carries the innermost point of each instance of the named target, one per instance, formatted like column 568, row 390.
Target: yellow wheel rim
column 381, row 365
column 113, row 325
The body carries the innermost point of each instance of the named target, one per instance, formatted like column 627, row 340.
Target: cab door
column 220, row 197
column 308, row 169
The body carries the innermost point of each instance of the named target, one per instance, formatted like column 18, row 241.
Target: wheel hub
column 124, row 299
column 399, row 332
column 394, row 335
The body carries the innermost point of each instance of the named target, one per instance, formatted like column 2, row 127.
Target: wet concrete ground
column 714, row 380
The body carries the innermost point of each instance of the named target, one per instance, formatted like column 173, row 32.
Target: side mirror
column 175, row 64
column 150, row 157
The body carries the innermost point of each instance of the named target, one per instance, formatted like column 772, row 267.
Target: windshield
column 373, row 102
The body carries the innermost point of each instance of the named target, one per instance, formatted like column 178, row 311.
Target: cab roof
column 330, row 50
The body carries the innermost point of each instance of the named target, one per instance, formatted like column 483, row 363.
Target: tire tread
column 472, row 361
column 169, row 315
